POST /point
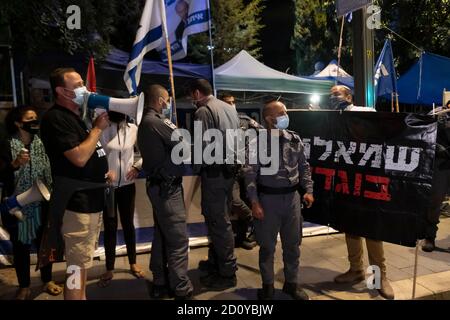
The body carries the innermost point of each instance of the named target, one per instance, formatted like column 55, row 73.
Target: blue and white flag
column 385, row 77
column 149, row 36
column 184, row 18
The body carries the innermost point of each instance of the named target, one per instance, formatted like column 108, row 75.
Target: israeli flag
column 184, row 18
column 385, row 79
column 149, row 36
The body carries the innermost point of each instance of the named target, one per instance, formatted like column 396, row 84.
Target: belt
column 271, row 190
column 159, row 181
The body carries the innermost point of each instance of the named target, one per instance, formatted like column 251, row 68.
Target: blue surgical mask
column 338, row 103
column 167, row 109
column 80, row 94
column 282, row 122
column 166, row 113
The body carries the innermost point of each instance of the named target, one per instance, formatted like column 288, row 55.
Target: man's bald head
column 153, row 94
column 271, row 111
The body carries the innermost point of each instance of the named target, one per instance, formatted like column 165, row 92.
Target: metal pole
column 22, row 90
column 13, row 76
column 363, row 59
column 415, row 270
column 340, row 50
column 211, row 50
column 169, row 61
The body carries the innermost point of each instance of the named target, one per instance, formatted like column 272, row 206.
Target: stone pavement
column 323, row 257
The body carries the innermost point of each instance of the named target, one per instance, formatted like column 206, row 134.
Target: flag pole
column 211, row 50
column 169, row 61
column 340, row 49
column 397, row 104
column 392, row 102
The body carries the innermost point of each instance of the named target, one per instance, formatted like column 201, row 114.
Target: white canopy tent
column 245, row 73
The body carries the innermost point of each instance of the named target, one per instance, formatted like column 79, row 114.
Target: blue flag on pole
column 184, row 18
column 149, row 36
column 385, row 77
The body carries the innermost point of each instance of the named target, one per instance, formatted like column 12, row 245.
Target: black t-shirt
column 62, row 130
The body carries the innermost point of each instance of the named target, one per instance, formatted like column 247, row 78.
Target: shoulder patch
column 293, row 135
column 170, row 124
column 253, row 123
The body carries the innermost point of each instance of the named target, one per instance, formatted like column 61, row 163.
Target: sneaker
column 350, row 276
column 295, row 292
column 159, row 292
column 216, row 282
column 207, row 266
column 247, row 245
column 386, row 290
column 188, row 296
column 251, row 236
column 428, row 245
column 266, row 292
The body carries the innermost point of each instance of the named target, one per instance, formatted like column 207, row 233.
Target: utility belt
column 216, row 170
column 157, row 181
column 167, row 185
column 271, row 190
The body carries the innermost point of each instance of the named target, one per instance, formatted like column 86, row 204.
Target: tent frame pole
column 416, row 258
column 211, row 50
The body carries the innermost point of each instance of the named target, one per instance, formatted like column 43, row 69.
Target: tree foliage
column 37, row 26
column 235, row 27
column 425, row 23
column 316, row 34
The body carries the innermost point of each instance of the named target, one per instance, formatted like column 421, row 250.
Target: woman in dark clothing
column 22, row 162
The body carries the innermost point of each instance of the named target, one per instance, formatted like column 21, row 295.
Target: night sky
column 279, row 19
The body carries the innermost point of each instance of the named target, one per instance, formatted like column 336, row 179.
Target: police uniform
column 281, row 203
column 239, row 208
column 217, row 182
column 170, row 242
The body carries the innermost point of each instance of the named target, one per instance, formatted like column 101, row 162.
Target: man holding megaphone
column 76, row 153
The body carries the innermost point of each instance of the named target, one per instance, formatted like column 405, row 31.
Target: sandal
column 52, row 288
column 105, row 280
column 138, row 273
column 23, row 294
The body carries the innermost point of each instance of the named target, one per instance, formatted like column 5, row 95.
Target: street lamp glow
column 315, row 99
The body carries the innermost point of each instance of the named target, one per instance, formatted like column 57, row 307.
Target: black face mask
column 337, row 103
column 31, row 127
column 116, row 117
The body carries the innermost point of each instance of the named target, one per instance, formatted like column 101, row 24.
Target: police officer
column 169, row 259
column 276, row 202
column 242, row 219
column 216, row 186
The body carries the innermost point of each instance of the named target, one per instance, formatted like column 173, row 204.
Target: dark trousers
column 282, row 214
column 169, row 259
column 21, row 254
column 124, row 201
column 216, row 203
column 242, row 212
column 441, row 182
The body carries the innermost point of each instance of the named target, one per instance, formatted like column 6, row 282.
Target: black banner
column 372, row 171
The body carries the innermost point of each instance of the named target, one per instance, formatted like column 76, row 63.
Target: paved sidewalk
column 323, row 257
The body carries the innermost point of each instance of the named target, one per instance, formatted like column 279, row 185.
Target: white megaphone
column 37, row 192
column 132, row 107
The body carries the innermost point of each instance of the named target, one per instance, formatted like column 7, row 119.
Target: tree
column 235, row 27
column 423, row 22
column 316, row 35
column 40, row 26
